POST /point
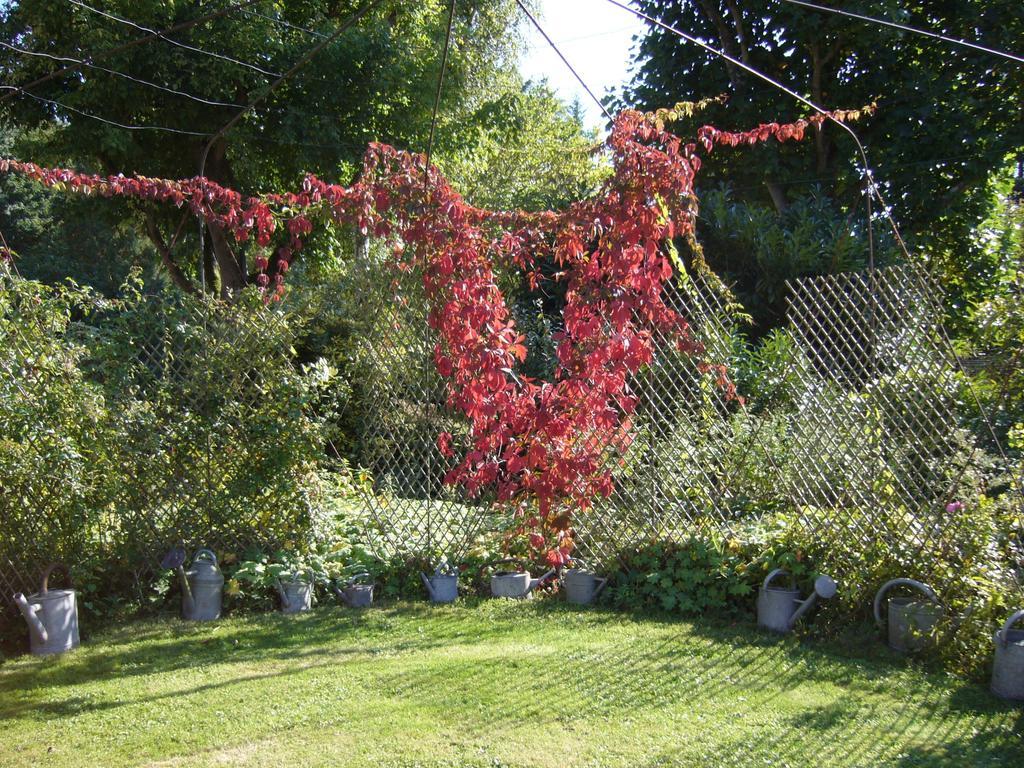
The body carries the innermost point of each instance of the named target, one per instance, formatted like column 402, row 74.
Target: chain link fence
column 130, row 427
column 855, row 424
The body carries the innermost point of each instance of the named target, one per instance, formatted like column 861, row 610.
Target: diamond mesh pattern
column 861, row 434
column 174, row 435
column 878, row 424
column 412, row 508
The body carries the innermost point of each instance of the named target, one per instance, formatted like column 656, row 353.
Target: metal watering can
column 296, row 593
column 443, row 586
column 202, row 585
column 582, row 586
column 779, row 609
column 911, row 620
column 515, row 584
column 51, row 615
column 1008, row 668
column 357, row 592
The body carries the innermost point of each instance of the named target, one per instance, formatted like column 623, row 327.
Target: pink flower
column 954, row 506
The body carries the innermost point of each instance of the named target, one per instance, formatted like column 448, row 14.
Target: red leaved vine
column 543, row 446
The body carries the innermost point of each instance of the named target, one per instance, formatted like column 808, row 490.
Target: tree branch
column 177, row 276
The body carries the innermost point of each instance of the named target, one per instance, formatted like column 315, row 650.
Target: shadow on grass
column 551, row 666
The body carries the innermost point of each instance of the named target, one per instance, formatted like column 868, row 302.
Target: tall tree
column 947, row 116
column 374, row 83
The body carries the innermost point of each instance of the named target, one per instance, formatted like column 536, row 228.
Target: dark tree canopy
column 375, row 83
column 947, row 117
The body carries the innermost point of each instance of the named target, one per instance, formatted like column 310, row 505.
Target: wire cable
column 437, row 92
column 286, row 24
column 83, row 113
column 914, row 30
column 565, row 61
column 118, row 73
column 172, row 41
column 136, row 42
column 871, row 186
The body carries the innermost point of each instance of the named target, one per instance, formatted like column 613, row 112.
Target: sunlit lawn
column 488, row 684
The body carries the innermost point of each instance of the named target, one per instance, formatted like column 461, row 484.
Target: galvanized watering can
column 443, row 586
column 1008, row 669
column 202, row 585
column 515, row 584
column 911, row 620
column 51, row 615
column 779, row 609
column 582, row 586
column 296, row 594
column 357, row 592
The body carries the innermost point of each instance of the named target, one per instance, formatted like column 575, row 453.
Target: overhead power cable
column 285, row 24
column 872, row 188
column 118, row 73
column 104, row 54
column 565, row 61
column 115, row 123
column 440, row 84
column 914, row 30
column 163, row 36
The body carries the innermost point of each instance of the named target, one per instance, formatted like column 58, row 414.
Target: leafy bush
column 130, row 425
column 711, row 573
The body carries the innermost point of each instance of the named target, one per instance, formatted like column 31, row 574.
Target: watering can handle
column 207, row 552
column 534, row 583
column 356, row 578
column 446, row 569
column 775, row 574
column 920, row 587
column 504, row 560
column 49, row 571
column 1002, row 634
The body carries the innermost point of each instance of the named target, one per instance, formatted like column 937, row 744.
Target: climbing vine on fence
column 542, row 446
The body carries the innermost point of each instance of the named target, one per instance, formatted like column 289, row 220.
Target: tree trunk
column 778, row 195
column 230, row 265
column 178, row 277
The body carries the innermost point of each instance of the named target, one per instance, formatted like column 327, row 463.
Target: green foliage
column 376, row 82
column 530, row 151
column 701, row 574
column 58, row 237
column 995, row 322
column 126, row 426
column 57, row 447
column 254, row 581
column 934, row 100
column 757, row 249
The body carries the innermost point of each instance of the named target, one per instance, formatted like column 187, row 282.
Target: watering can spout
column 340, row 594
column 188, row 601
column 534, row 583
column 428, row 585
column 29, row 611
column 286, row 601
column 824, row 588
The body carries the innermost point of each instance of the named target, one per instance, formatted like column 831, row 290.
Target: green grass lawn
column 488, row 684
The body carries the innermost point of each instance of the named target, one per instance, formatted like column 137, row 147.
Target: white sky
column 595, row 36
